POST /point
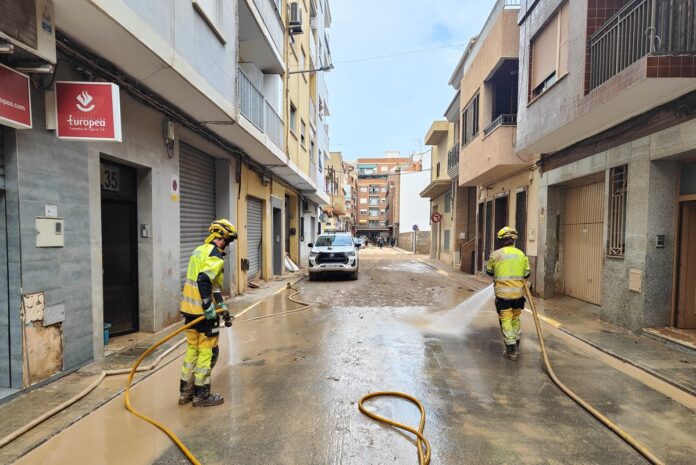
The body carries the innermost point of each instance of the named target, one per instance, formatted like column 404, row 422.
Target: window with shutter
column 549, row 53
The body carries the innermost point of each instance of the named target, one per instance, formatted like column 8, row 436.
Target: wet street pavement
column 291, row 386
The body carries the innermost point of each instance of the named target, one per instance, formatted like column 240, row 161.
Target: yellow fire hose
column 422, row 444
column 640, row 448
column 133, row 370
column 421, row 441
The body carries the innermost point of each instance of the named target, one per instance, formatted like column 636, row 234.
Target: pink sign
column 15, row 99
column 88, row 111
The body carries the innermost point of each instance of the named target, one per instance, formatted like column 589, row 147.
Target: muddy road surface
column 291, row 386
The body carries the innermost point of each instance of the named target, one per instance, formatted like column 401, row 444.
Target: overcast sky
column 389, row 103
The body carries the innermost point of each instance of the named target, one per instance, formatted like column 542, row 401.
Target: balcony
column 502, row 120
column 639, row 59
column 641, row 28
column 490, row 158
column 453, row 161
column 254, row 107
column 261, row 34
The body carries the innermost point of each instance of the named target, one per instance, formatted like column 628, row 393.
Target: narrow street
column 291, row 386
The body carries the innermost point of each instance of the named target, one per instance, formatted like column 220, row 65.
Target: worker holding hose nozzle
column 509, row 267
column 202, row 295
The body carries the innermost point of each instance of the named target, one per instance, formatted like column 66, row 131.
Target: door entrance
column 686, row 266
column 521, row 220
column 119, row 247
column 582, row 244
column 254, row 237
column 277, row 243
column 501, row 217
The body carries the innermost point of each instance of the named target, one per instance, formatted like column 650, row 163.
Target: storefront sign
column 15, row 100
column 88, row 111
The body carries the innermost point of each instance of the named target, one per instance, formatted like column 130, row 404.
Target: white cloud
column 392, row 101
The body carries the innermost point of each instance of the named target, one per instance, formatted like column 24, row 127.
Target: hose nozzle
column 227, row 318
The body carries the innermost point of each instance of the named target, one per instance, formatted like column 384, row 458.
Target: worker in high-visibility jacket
column 202, row 295
column 509, row 267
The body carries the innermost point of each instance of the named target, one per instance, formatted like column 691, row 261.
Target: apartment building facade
column 194, row 109
column 373, row 184
column 501, row 180
column 608, row 112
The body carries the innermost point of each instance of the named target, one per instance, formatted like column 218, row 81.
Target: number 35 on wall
column 110, row 178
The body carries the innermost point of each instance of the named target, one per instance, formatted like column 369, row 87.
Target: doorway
column 479, row 238
column 501, row 216
column 582, row 243
column 686, row 266
column 521, row 220
column 119, row 247
column 277, row 244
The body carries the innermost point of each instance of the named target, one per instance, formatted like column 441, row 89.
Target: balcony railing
column 453, row 160
column 256, row 109
column 270, row 12
column 642, row 27
column 502, row 120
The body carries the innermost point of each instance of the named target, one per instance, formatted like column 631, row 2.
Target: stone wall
column 422, row 242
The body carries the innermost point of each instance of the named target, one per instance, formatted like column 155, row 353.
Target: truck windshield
column 327, row 241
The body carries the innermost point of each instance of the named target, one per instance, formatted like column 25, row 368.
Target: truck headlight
column 351, row 253
column 313, row 254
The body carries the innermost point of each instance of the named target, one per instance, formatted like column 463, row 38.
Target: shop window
column 616, row 245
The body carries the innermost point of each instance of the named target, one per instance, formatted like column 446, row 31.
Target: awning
column 436, row 188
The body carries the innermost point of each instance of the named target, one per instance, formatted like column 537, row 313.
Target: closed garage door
column 197, row 178
column 582, row 246
column 254, row 235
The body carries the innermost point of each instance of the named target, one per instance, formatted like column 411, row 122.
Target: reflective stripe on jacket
column 208, row 260
column 509, row 267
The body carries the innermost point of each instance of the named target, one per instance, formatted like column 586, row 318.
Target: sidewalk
column 28, row 405
column 581, row 320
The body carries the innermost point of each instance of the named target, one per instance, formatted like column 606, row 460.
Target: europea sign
column 15, row 99
column 88, row 111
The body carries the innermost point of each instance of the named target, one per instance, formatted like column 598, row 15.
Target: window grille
column 618, row 177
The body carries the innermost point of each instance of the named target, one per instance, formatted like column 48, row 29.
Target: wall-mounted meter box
column 49, row 232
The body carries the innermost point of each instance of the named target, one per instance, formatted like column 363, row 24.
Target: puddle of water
column 455, row 322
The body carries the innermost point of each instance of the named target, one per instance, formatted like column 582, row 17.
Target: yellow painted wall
column 298, row 90
column 511, row 186
column 251, row 186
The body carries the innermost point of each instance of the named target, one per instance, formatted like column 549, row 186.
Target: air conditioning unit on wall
column 30, row 26
column 295, row 23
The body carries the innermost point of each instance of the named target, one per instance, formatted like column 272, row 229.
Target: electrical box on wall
column 635, row 281
column 49, row 232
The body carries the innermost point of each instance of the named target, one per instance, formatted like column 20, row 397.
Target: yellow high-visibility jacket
column 204, row 279
column 509, row 267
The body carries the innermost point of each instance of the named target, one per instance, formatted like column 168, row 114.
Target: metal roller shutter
column 197, row 206
column 254, row 235
column 583, row 254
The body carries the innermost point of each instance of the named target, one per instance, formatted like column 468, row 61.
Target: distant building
column 373, row 184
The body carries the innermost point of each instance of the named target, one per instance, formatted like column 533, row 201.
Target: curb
column 619, row 357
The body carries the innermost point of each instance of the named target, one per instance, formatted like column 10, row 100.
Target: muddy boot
column 185, row 392
column 510, row 354
column 203, row 398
